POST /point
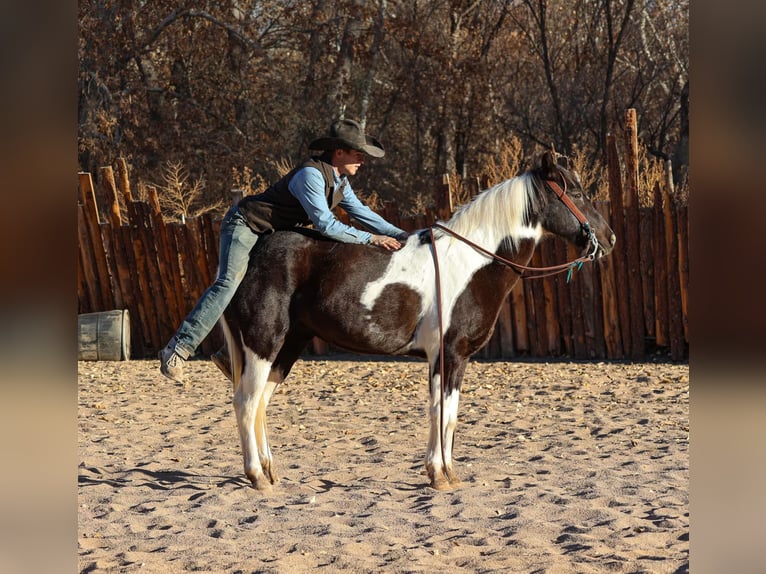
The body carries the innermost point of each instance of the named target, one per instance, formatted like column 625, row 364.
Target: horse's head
column 565, row 209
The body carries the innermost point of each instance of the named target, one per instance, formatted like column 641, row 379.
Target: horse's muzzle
column 604, row 250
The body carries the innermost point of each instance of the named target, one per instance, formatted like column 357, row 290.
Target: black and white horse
column 368, row 300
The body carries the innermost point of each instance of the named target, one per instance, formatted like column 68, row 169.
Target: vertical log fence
column 624, row 306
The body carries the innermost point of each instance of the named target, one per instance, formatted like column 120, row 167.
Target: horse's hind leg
column 261, row 432
column 294, row 343
column 248, row 396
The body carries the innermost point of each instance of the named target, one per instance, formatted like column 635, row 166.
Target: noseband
column 584, row 225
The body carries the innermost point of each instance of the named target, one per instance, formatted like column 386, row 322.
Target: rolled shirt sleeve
column 307, row 185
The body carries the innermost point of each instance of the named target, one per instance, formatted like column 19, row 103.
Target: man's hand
column 386, row 242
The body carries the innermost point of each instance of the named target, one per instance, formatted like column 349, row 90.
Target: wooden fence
column 625, row 306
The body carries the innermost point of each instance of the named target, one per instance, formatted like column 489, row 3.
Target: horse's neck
column 498, row 219
column 464, row 263
column 505, row 275
column 521, row 254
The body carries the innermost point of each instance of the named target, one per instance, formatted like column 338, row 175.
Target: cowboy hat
column 348, row 134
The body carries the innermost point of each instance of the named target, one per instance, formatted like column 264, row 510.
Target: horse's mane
column 505, row 207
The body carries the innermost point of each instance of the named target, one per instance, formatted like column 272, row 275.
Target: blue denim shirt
column 307, row 185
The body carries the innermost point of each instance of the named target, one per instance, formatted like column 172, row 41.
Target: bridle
column 586, row 229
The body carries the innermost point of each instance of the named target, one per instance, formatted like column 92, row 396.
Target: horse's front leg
column 443, row 419
column 450, row 408
column 248, row 397
column 434, row 462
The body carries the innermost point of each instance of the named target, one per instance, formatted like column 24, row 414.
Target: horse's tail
column 235, row 353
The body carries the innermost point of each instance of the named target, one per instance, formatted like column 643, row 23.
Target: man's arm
column 367, row 217
column 307, row 185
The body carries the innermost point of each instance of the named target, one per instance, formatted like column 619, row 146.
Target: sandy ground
column 567, row 467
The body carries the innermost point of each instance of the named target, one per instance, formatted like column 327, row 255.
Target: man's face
column 348, row 161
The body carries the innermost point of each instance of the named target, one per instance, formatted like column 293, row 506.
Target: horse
column 367, row 300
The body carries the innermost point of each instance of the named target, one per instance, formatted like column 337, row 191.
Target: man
column 304, row 196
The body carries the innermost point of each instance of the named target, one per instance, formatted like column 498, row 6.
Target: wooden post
column 631, row 158
column 675, row 311
column 84, row 304
column 87, row 257
column 576, row 298
column 659, row 258
column 179, row 243
column 505, row 331
column 592, row 332
column 444, row 198
column 519, row 310
column 122, row 169
column 609, row 300
column 619, row 254
column 683, row 248
column 196, row 240
column 153, row 252
column 110, row 190
column 170, row 278
column 195, row 251
column 646, row 233
column 210, row 249
column 391, row 213
column 90, row 211
column 211, row 245
column 533, row 321
column 632, row 241
column 669, row 185
column 146, row 270
column 563, row 296
column 683, row 264
column 549, row 303
column 114, row 245
column 130, row 286
column 87, row 196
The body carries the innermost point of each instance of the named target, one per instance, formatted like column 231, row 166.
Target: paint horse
column 367, row 300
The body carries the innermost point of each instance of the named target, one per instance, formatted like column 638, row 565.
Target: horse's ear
column 548, row 164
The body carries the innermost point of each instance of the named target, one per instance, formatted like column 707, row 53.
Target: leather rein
column 544, row 272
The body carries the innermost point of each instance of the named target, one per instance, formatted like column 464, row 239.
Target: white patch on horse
column 451, row 402
column 494, row 215
column 411, row 266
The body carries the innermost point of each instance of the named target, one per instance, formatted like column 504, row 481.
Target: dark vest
column 277, row 208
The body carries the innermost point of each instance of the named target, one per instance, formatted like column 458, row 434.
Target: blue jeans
column 237, row 239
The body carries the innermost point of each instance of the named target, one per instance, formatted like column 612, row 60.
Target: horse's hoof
column 454, row 481
column 262, row 484
column 259, row 482
column 271, row 474
column 440, row 484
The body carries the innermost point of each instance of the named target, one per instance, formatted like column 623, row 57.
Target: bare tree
column 180, row 198
column 445, row 84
